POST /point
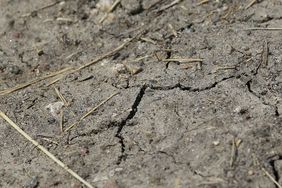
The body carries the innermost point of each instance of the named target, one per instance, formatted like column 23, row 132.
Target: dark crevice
column 123, row 123
column 275, row 172
column 273, row 168
column 169, row 155
column 276, row 111
column 208, row 87
column 257, row 69
column 168, row 56
column 165, row 88
column 249, row 86
column 190, row 89
column 86, row 134
column 86, row 79
column 178, row 162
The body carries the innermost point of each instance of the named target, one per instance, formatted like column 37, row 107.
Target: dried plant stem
column 183, row 60
column 90, row 112
column 251, row 4
column 60, row 95
column 62, row 73
column 265, row 28
column 114, row 5
column 45, row 151
column 169, row 5
column 270, row 177
column 203, row 2
column 41, row 8
column 21, row 86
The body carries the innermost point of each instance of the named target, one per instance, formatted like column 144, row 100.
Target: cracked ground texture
column 215, row 123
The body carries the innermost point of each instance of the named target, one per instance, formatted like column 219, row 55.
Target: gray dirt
column 215, row 123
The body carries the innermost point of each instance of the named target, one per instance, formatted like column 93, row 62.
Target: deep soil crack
column 249, row 86
column 190, row 89
column 132, row 113
column 208, row 87
column 274, row 169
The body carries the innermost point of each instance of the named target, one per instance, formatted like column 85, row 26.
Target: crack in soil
column 275, row 172
column 187, row 88
column 132, row 113
column 138, row 100
column 274, row 169
column 249, row 86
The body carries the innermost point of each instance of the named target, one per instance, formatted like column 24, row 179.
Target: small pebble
column 32, row 183
column 133, row 69
column 250, row 172
column 240, row 110
column 55, row 108
column 119, row 68
column 104, row 5
column 216, row 143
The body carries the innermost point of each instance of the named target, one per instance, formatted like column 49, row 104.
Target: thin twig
column 54, row 80
column 264, row 28
column 41, row 8
column 61, row 73
column 90, row 112
column 251, row 4
column 169, row 5
column 233, row 152
column 203, row 2
column 183, row 60
column 45, row 151
column 256, row 162
column 49, row 140
column 62, row 121
column 174, row 32
column 106, row 55
column 149, row 40
column 24, row 85
column 265, row 54
column 114, row 5
column 60, row 95
column 270, row 177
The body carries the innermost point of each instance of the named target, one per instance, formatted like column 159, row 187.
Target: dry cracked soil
column 197, row 87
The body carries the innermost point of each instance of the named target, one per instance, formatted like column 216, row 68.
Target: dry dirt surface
column 153, row 93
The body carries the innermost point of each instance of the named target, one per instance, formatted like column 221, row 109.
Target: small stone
column 104, row 5
column 84, row 151
column 216, row 143
column 62, row 3
column 119, row 68
column 133, row 69
column 240, row 110
column 32, row 183
column 250, row 172
column 40, row 52
column 55, row 108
